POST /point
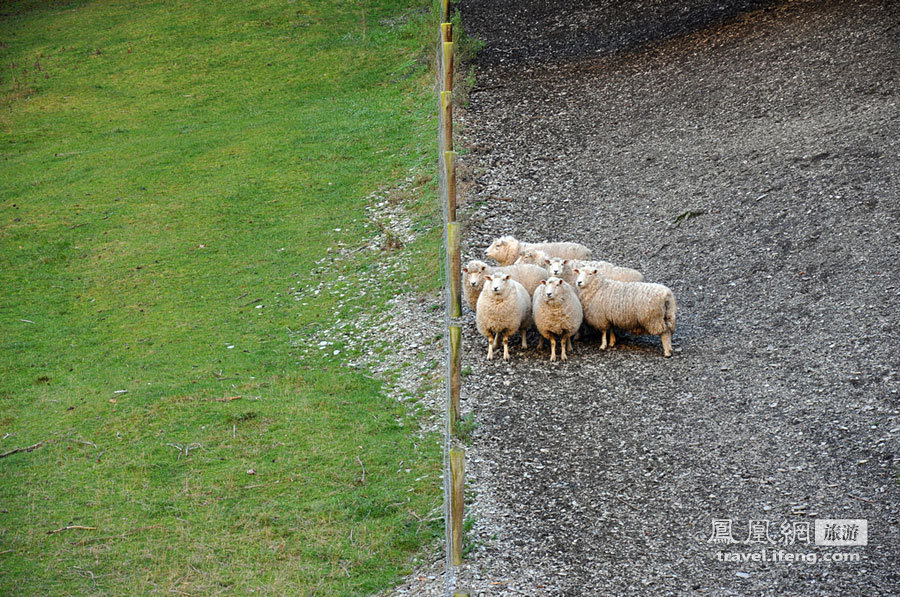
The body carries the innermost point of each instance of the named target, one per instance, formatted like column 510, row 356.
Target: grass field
column 170, row 173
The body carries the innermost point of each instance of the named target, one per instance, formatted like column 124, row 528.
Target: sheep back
column 635, row 307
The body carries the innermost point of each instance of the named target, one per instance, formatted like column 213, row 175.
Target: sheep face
column 584, row 276
column 532, row 256
column 556, row 266
column 474, row 273
column 498, row 248
column 551, row 288
column 497, row 283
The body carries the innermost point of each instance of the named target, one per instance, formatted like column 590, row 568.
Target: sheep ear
column 559, row 282
column 576, row 271
column 488, row 278
column 466, row 270
column 565, row 261
column 543, row 282
column 547, row 261
column 506, row 276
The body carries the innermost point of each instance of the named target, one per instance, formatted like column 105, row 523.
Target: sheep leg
column 540, row 342
column 491, row 339
column 603, row 342
column 524, row 332
column 552, row 348
column 569, row 339
column 563, row 344
column 505, row 347
column 666, row 338
column 612, row 338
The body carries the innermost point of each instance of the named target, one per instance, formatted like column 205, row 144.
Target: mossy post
column 454, row 267
column 455, row 338
column 458, row 480
column 447, row 119
column 447, row 69
column 450, row 165
column 446, row 32
column 445, row 10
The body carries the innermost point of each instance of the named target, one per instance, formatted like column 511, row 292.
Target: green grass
column 170, row 173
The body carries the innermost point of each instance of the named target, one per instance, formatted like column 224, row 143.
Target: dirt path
column 747, row 155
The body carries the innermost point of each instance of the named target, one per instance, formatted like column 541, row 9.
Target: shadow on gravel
column 580, row 28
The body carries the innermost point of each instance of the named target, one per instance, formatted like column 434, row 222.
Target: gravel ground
column 746, row 154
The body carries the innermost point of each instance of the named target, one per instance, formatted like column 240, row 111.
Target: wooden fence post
column 455, row 338
column 446, row 31
column 458, row 477
column 445, row 10
column 450, row 167
column 453, row 266
column 447, row 120
column 447, row 63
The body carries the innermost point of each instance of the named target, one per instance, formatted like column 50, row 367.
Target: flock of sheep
column 556, row 287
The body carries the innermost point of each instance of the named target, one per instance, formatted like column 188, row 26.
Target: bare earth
column 746, row 154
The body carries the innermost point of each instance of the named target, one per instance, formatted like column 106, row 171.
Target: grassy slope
column 171, row 171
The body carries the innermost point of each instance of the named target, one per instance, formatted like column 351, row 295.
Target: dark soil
column 747, row 155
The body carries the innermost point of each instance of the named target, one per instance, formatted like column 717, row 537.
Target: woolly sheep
column 506, row 249
column 529, row 276
column 636, row 307
column 565, row 269
column 533, row 256
column 503, row 307
column 557, row 312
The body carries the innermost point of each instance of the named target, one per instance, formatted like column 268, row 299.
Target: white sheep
column 506, row 249
column 557, row 312
column 532, row 256
column 635, row 307
column 529, row 276
column 565, row 269
column 503, row 307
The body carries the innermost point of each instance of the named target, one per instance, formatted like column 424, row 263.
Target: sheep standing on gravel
column 503, row 307
column 635, row 307
column 557, row 313
column 529, row 276
column 565, row 269
column 506, row 249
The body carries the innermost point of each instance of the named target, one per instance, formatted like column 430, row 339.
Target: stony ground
column 746, row 154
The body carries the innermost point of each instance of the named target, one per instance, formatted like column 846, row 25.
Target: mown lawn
column 170, row 172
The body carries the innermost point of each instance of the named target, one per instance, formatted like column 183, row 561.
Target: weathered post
column 447, row 63
column 445, row 10
column 446, row 31
column 455, row 337
column 450, row 173
column 447, row 119
column 453, row 266
column 458, row 477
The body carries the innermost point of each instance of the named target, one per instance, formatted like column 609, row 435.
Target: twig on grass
column 120, row 537
column 84, row 572
column 82, row 441
column 71, row 527
column 362, row 479
column 25, row 449
column 184, row 449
